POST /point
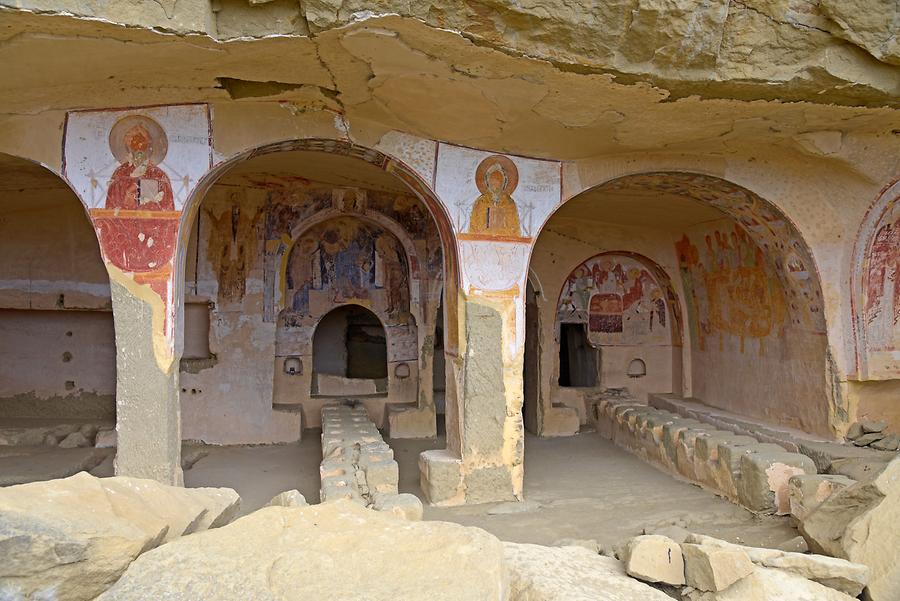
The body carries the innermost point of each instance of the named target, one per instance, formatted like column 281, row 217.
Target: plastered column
column 148, row 420
column 484, row 460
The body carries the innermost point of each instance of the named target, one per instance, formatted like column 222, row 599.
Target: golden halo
column 512, row 174
column 157, row 136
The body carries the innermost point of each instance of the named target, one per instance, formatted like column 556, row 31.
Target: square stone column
column 148, row 411
column 484, row 459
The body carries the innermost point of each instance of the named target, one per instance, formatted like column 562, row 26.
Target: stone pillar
column 484, row 459
column 148, row 412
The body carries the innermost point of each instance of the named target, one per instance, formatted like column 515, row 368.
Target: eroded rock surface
column 70, row 539
column 336, row 551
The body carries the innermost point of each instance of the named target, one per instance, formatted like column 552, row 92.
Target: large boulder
column 70, row 539
column 337, row 551
column 860, row 523
column 538, row 573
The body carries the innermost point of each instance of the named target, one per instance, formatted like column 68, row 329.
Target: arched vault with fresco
column 747, row 332
column 875, row 292
column 281, row 238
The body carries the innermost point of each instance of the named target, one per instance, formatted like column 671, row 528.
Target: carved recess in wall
column 876, row 290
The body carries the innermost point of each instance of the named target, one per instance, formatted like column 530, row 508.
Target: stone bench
column 737, row 467
column 358, row 465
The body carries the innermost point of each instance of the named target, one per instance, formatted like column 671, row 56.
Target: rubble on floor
column 70, row 539
column 861, row 523
column 873, row 434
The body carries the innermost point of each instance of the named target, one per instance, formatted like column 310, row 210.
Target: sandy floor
column 580, row 487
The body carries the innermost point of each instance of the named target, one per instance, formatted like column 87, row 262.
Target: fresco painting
column 731, row 289
column 233, row 245
column 135, row 169
column 346, row 260
column 620, row 300
column 787, row 256
column 881, row 293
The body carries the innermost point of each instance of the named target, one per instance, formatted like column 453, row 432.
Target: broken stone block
column 839, row 574
column 859, row 468
column 381, row 476
column 764, row 479
column 403, row 505
column 807, row 491
column 867, row 439
column 773, row 585
column 288, row 498
column 654, row 558
column 714, row 569
column 441, row 477
column 74, row 440
column 860, row 523
column 871, row 426
column 891, row 442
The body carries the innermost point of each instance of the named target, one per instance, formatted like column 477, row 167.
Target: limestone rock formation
column 328, row 551
column 72, row 538
column 654, row 558
column 860, row 523
column 538, row 573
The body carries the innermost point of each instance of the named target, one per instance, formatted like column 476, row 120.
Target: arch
column 412, row 255
column 370, row 364
column 869, row 279
column 744, row 272
column 662, row 279
column 56, row 302
column 769, row 227
column 389, row 164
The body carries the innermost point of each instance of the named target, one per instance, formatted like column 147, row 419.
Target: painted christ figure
column 137, row 183
column 494, row 212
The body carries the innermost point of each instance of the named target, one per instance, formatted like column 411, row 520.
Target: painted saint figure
column 139, row 144
column 494, row 212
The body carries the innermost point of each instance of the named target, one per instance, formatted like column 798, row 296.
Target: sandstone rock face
column 538, row 573
column 336, row 551
column 860, row 523
column 766, row 584
column 714, row 569
column 654, row 558
column 71, row 538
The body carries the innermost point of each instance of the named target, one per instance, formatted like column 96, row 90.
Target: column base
column 447, row 482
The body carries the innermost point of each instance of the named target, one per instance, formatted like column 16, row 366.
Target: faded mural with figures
column 881, row 294
column 619, row 299
column 497, row 203
column 731, row 288
column 346, row 260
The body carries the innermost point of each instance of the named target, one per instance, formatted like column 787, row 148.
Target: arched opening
column 635, row 254
column 57, row 340
column 280, row 239
column 349, row 353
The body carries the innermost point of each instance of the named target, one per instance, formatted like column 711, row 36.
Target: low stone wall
column 358, row 465
column 738, row 467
